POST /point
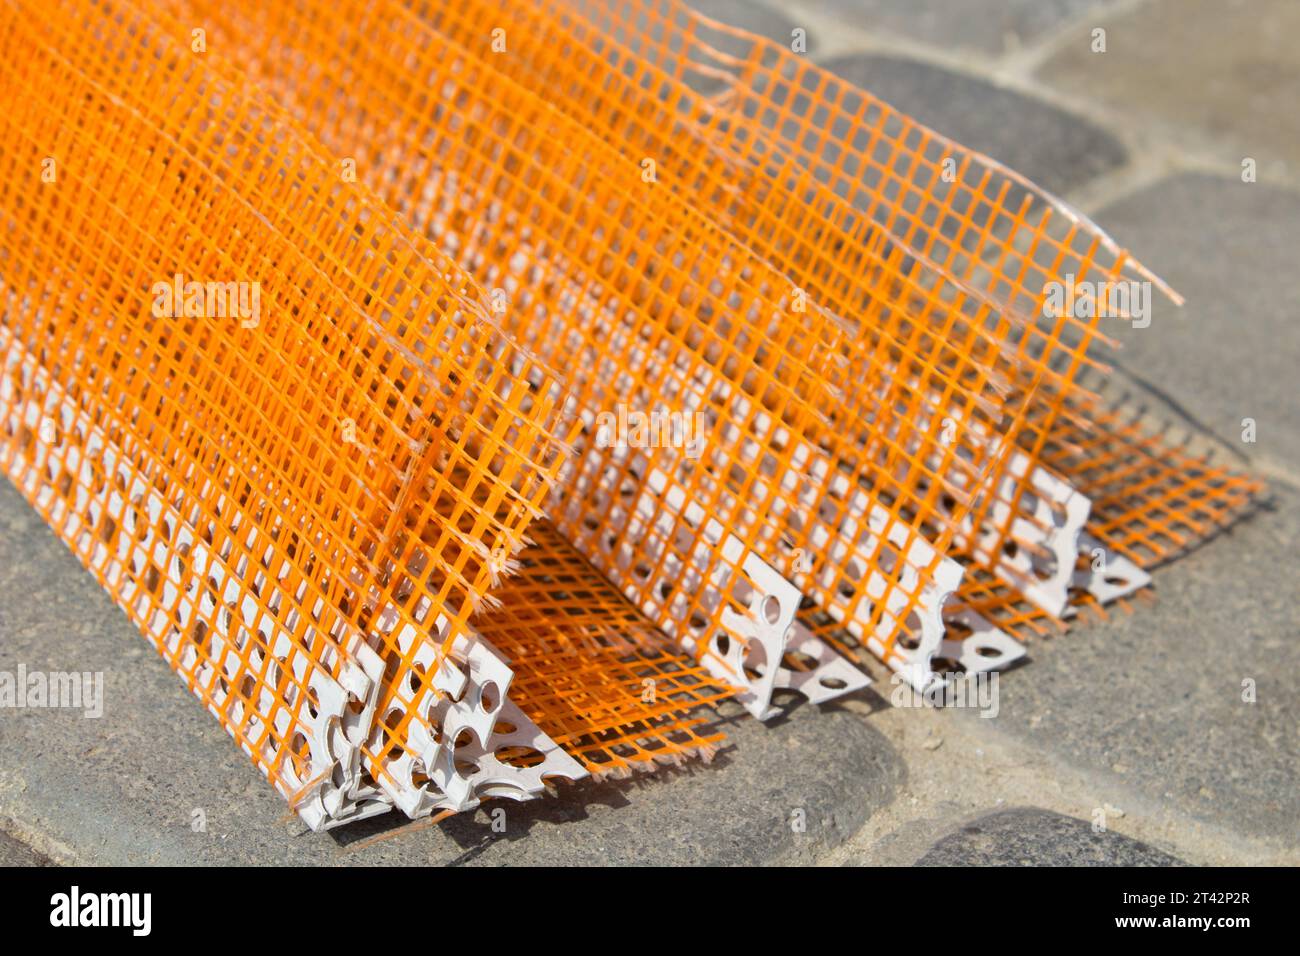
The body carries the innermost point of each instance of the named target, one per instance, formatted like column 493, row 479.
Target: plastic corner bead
column 497, row 777
column 985, row 648
column 330, row 790
column 753, row 656
column 1049, row 517
column 335, row 792
column 327, row 789
column 832, row 677
column 496, row 719
column 924, row 625
column 1107, row 576
column 474, row 721
column 361, row 677
column 868, row 522
column 771, row 634
column 1052, row 518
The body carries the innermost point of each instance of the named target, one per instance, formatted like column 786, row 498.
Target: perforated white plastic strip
column 445, row 769
column 752, row 654
column 1038, row 557
column 1107, row 576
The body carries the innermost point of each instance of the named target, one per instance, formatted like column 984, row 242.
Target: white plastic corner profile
column 1107, row 576
column 772, row 635
column 752, row 655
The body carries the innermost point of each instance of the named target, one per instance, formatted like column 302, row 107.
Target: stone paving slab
column 14, row 853
column 1226, row 69
column 1231, row 249
column 1152, row 699
column 984, row 26
column 1028, row 836
column 124, row 788
column 1055, row 149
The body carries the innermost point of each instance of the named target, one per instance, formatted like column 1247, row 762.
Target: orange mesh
column 1152, row 501
column 319, row 513
column 196, row 465
column 824, row 439
column 829, row 184
column 591, row 671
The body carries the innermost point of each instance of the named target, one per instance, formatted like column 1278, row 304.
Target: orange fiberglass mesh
column 1027, row 528
column 195, row 462
column 819, row 439
column 779, row 166
column 1041, row 520
column 872, row 284
column 719, row 151
column 803, row 364
column 1029, row 533
column 592, row 672
column 1152, row 500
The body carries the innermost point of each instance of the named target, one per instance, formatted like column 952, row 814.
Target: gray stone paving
column 1223, row 70
column 14, row 853
column 123, row 788
column 1232, row 351
column 984, row 26
column 1057, row 150
column 1032, row 837
column 1154, row 699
